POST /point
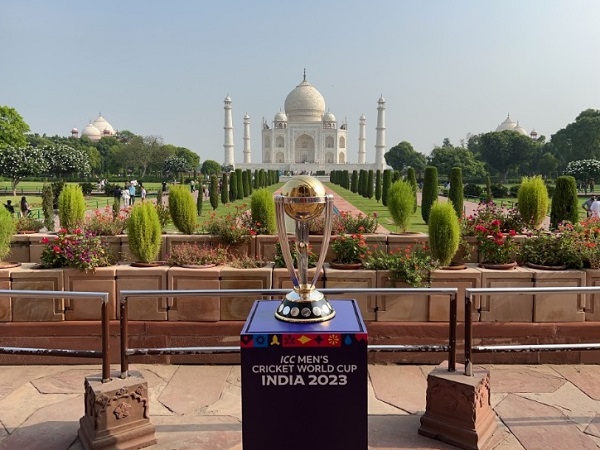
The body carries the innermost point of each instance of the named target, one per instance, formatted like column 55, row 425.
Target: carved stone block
column 116, row 414
column 458, row 409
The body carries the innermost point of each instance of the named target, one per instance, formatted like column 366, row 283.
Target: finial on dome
column 305, row 74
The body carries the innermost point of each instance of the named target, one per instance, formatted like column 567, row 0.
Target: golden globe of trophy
column 302, row 199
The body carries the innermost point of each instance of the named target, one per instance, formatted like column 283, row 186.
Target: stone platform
column 198, row 406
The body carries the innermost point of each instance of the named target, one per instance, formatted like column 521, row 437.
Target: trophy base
column 298, row 309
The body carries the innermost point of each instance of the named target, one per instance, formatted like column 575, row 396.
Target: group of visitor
column 24, row 207
column 128, row 192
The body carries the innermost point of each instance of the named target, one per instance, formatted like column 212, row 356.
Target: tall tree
column 580, row 139
column 210, row 167
column 504, row 151
column 404, row 155
column 446, row 157
column 12, row 128
column 63, row 160
column 20, row 162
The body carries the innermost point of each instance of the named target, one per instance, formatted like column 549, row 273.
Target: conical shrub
column 71, row 207
column 144, row 232
column 400, row 204
column 444, row 232
column 182, row 209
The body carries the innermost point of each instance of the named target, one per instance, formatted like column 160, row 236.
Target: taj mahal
column 305, row 138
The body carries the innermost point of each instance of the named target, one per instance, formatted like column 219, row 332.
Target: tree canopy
column 580, row 139
column 504, row 151
column 447, row 157
column 12, row 128
column 210, row 167
column 403, row 155
column 17, row 163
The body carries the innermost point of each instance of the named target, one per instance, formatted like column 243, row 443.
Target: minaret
column 228, row 144
column 362, row 140
column 247, row 149
column 380, row 143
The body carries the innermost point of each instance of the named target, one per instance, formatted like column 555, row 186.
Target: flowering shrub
column 28, row 223
column 412, row 265
column 105, row 223
column 229, row 227
column 360, row 223
column 349, row 248
column 496, row 246
column 78, row 250
column 585, row 239
column 192, row 254
column 245, row 262
column 505, row 219
column 551, row 250
column 317, row 225
column 280, row 262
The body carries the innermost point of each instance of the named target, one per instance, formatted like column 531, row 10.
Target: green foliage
column 455, row 194
column 370, row 183
column 48, row 206
column 245, row 184
column 144, row 232
column 182, row 209
column 7, row 229
column 444, row 232
column 584, row 169
column 199, row 202
column 75, row 249
column 233, row 188
column 565, row 205
column 400, row 204
column 214, row 192
column 533, row 200
column 378, row 185
column 387, row 183
column 17, row 163
column 411, row 177
column 430, row 191
column 64, row 160
column 473, row 190
column 87, row 188
column 116, row 206
column 71, row 207
column 174, row 165
column 488, row 189
column 210, row 167
column 362, row 182
column 241, row 193
column 249, row 181
column 396, row 176
column 225, row 189
column 354, row 182
column 12, row 128
column 412, row 265
column 262, row 208
column 404, row 155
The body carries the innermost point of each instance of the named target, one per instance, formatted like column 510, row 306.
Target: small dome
column 304, row 104
column 228, row 98
column 280, row 117
column 246, row 116
column 74, row 130
column 328, row 117
column 519, row 129
column 91, row 132
column 362, row 117
column 381, row 99
column 508, row 124
column 533, row 134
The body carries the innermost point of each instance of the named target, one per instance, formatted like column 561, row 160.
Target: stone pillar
column 116, row 413
column 458, row 409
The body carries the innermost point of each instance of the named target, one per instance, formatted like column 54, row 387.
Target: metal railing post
column 452, row 333
column 468, row 334
column 124, row 331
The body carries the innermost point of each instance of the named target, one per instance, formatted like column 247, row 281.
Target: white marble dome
column 91, row 132
column 328, row 117
column 280, row 117
column 508, row 124
column 519, row 129
column 304, row 104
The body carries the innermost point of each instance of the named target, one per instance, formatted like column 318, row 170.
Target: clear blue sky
column 445, row 68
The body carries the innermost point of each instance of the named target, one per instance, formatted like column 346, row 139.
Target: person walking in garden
column 25, row 211
column 143, row 192
column 9, row 207
column 587, row 205
column 595, row 208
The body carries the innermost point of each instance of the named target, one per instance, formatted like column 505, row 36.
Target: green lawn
column 370, row 206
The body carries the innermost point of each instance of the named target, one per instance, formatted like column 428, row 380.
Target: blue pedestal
column 304, row 386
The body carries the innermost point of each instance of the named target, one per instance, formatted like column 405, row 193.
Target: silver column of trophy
column 302, row 199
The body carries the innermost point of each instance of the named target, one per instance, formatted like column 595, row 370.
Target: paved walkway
column 199, row 407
